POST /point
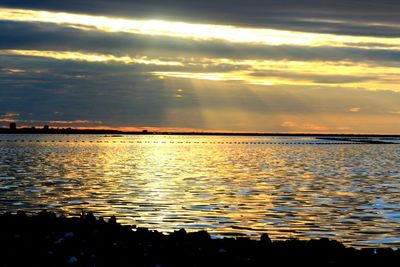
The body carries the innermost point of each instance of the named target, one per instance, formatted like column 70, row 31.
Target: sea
column 286, row 186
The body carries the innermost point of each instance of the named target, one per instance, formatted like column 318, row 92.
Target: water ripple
column 230, row 186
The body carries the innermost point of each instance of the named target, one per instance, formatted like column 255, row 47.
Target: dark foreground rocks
column 47, row 240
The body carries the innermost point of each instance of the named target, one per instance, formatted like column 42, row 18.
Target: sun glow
column 195, row 31
column 79, row 56
column 284, row 72
column 368, row 74
column 256, row 72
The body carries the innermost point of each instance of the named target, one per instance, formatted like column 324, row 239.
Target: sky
column 326, row 66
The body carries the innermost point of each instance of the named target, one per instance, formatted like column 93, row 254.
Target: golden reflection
column 226, row 185
column 194, row 31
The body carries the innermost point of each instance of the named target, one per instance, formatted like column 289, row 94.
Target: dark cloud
column 54, row 37
column 117, row 95
column 59, row 90
column 44, row 89
column 353, row 17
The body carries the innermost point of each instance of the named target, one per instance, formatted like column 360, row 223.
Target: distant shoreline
column 144, row 132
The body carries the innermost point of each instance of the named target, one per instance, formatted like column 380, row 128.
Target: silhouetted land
column 47, row 240
column 345, row 137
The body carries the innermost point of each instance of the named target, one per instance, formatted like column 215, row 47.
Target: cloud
column 11, row 114
column 261, row 65
column 126, row 95
column 7, row 117
column 289, row 124
column 306, row 74
column 78, row 56
column 262, row 72
column 304, row 126
column 194, row 31
column 292, row 126
column 31, row 36
column 350, row 17
column 55, row 123
column 75, row 122
column 58, row 91
column 355, row 110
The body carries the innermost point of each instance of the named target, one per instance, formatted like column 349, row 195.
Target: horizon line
column 183, row 130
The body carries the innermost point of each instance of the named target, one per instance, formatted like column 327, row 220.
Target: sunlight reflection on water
column 285, row 186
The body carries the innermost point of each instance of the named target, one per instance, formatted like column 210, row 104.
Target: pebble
column 221, row 251
column 87, row 243
column 59, row 241
column 73, row 260
column 69, row 235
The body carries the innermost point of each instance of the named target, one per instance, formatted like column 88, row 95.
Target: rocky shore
column 45, row 239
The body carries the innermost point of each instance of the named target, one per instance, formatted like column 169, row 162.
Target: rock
column 180, row 234
column 59, row 241
column 88, row 217
column 56, row 241
column 221, row 251
column 112, row 220
column 21, row 214
column 265, row 239
column 73, row 260
column 69, row 235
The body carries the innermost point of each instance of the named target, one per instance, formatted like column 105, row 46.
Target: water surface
column 285, row 186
